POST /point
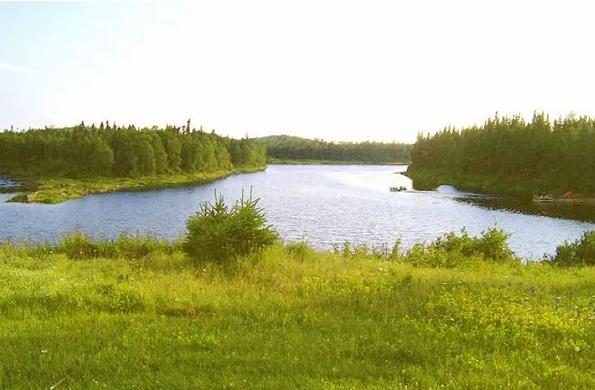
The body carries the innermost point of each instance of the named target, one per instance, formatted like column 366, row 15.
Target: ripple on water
column 323, row 205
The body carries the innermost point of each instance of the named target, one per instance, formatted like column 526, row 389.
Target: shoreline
column 425, row 179
column 330, row 162
column 566, row 201
column 57, row 190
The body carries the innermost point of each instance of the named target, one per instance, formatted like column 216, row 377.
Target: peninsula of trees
column 109, row 150
column 63, row 163
column 285, row 148
column 510, row 155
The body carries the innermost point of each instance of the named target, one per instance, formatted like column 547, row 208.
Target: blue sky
column 49, row 50
column 339, row 70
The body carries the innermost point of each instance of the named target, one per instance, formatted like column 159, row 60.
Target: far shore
column 59, row 189
column 273, row 161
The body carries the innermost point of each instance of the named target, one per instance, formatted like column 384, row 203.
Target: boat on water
column 567, row 198
column 398, row 189
column 543, row 197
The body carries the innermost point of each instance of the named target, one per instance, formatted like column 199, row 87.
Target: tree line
column 546, row 156
column 285, row 147
column 110, row 150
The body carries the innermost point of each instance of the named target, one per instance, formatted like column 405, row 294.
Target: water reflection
column 577, row 211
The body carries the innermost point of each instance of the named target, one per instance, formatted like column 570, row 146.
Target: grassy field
column 57, row 190
column 291, row 319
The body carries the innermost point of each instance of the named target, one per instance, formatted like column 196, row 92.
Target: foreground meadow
column 292, row 319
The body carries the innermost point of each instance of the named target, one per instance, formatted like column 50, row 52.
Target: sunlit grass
column 293, row 318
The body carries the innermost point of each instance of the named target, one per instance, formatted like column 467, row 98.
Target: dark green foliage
column 19, row 198
column 511, row 153
column 159, row 154
column 448, row 251
column 80, row 246
column 173, row 148
column 491, row 245
column 300, row 250
column 285, row 147
column 84, row 151
column 395, row 252
column 579, row 252
column 220, row 233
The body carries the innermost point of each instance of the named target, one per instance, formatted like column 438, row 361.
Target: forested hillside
column 108, row 150
column 510, row 153
column 284, row 147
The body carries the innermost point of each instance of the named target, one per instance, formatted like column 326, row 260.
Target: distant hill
column 292, row 148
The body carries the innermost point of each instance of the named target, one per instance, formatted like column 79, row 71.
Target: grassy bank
column 57, row 190
column 143, row 315
column 272, row 160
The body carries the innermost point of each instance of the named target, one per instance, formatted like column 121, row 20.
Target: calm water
column 323, row 205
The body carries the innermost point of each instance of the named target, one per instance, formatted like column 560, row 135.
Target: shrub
column 19, row 198
column 492, row 244
column 136, row 247
column 578, row 252
column 451, row 250
column 299, row 250
column 220, row 233
column 77, row 245
column 395, row 252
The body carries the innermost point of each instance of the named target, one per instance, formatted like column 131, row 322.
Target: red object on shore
column 567, row 195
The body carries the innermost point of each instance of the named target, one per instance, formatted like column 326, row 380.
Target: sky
column 337, row 70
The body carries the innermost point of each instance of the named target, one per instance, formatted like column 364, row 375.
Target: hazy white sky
column 339, row 70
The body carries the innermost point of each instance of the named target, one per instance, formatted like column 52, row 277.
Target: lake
column 324, row 205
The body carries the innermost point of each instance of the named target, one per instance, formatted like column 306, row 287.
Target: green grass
column 57, row 190
column 150, row 318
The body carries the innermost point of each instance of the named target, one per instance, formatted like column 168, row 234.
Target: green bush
column 579, row 252
column 220, row 233
column 78, row 246
column 492, row 244
column 452, row 250
column 300, row 250
column 136, row 247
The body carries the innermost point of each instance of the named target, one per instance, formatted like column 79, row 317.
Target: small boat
column 543, row 197
column 398, row 189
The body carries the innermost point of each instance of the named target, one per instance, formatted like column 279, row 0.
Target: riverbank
column 330, row 162
column 149, row 317
column 57, row 190
column 426, row 179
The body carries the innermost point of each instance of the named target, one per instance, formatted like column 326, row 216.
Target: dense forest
column 284, row 147
column 109, row 150
column 537, row 156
